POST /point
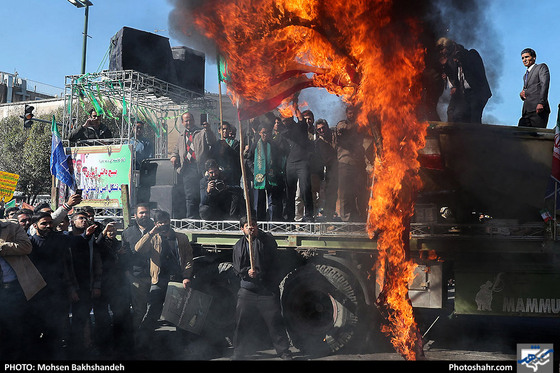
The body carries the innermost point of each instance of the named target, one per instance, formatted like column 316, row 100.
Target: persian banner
column 100, row 171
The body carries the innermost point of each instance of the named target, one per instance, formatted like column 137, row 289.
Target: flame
column 286, row 110
column 363, row 52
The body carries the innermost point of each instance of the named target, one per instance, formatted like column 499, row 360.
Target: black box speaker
column 189, row 67
column 160, row 186
column 144, row 52
column 158, row 171
column 168, row 198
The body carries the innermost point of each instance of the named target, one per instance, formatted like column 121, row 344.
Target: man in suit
column 190, row 154
column 470, row 90
column 534, row 95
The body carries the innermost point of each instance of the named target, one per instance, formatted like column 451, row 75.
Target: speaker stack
column 151, row 54
column 160, row 188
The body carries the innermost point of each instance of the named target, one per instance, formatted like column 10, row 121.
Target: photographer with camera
column 218, row 200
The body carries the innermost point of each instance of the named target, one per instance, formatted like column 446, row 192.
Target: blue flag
column 61, row 164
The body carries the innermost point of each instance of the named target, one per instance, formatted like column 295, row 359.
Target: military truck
column 477, row 236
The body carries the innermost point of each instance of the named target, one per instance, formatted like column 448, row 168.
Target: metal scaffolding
column 132, row 95
column 120, row 99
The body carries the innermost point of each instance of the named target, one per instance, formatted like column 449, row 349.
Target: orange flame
column 362, row 52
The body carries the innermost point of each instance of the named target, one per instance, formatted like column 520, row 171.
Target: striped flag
column 283, row 87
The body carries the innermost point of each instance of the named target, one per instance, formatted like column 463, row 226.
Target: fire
column 368, row 54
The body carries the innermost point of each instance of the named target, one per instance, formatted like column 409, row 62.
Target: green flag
column 222, row 69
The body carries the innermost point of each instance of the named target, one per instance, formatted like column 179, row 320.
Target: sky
column 42, row 40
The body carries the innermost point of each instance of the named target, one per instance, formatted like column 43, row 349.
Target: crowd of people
column 55, row 268
column 298, row 169
column 304, row 170
column 56, row 271
column 291, row 167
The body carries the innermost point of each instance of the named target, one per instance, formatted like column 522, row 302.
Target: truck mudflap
column 511, row 293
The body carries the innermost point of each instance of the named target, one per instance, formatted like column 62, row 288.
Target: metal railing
column 527, row 231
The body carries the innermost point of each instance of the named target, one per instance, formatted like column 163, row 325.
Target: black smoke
column 467, row 22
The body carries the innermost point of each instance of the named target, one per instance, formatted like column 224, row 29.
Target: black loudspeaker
column 168, row 198
column 158, row 186
column 157, row 172
column 189, row 67
column 144, row 52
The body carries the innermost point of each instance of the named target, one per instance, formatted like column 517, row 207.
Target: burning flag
column 367, row 52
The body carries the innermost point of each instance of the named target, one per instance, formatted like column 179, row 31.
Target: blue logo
column 534, row 358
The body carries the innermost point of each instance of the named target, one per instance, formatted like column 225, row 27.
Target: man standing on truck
column 534, row 95
column 218, row 199
column 190, row 154
column 259, row 292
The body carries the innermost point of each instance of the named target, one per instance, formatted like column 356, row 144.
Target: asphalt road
column 464, row 343
column 455, row 338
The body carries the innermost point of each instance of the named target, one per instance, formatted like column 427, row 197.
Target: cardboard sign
column 8, row 183
column 186, row 308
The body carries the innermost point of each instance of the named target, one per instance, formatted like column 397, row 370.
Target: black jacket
column 90, row 133
column 264, row 258
column 138, row 263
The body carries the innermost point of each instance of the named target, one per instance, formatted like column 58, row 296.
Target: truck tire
column 321, row 308
column 219, row 281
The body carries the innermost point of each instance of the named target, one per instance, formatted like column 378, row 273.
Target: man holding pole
column 254, row 261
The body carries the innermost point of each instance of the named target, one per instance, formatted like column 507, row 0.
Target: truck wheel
column 222, row 284
column 321, row 308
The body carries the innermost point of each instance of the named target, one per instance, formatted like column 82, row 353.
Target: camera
column 219, row 185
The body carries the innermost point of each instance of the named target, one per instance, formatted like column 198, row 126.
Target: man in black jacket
column 113, row 329
column 470, row 90
column 259, row 290
column 87, row 271
column 219, row 200
column 49, row 309
column 138, row 266
column 298, row 169
column 92, row 129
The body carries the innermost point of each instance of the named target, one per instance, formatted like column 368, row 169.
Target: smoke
column 324, row 105
column 467, row 23
column 464, row 21
column 182, row 28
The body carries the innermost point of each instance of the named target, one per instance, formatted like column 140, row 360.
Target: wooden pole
column 221, row 109
column 220, row 96
column 125, row 200
column 245, row 186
